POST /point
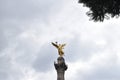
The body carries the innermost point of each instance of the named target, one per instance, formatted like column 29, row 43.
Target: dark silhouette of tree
column 101, row 9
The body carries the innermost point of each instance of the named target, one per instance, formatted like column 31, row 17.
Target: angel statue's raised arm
column 55, row 44
column 59, row 47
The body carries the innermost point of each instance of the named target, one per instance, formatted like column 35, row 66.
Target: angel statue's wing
column 63, row 45
column 55, row 45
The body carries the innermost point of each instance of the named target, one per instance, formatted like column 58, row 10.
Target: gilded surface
column 60, row 48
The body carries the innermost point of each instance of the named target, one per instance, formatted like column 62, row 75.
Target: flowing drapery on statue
column 60, row 48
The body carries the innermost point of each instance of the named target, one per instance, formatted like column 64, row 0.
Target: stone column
column 60, row 67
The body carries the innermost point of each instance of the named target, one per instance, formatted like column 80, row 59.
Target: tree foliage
column 101, row 9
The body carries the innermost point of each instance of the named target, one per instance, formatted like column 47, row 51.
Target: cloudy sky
column 27, row 28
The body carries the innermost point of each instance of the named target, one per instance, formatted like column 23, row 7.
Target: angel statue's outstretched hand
column 59, row 47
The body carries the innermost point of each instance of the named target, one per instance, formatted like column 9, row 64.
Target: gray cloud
column 77, row 50
column 3, row 42
column 8, row 70
column 16, row 16
column 45, row 58
column 26, row 10
column 102, row 73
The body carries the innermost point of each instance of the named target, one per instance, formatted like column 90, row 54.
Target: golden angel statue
column 59, row 47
